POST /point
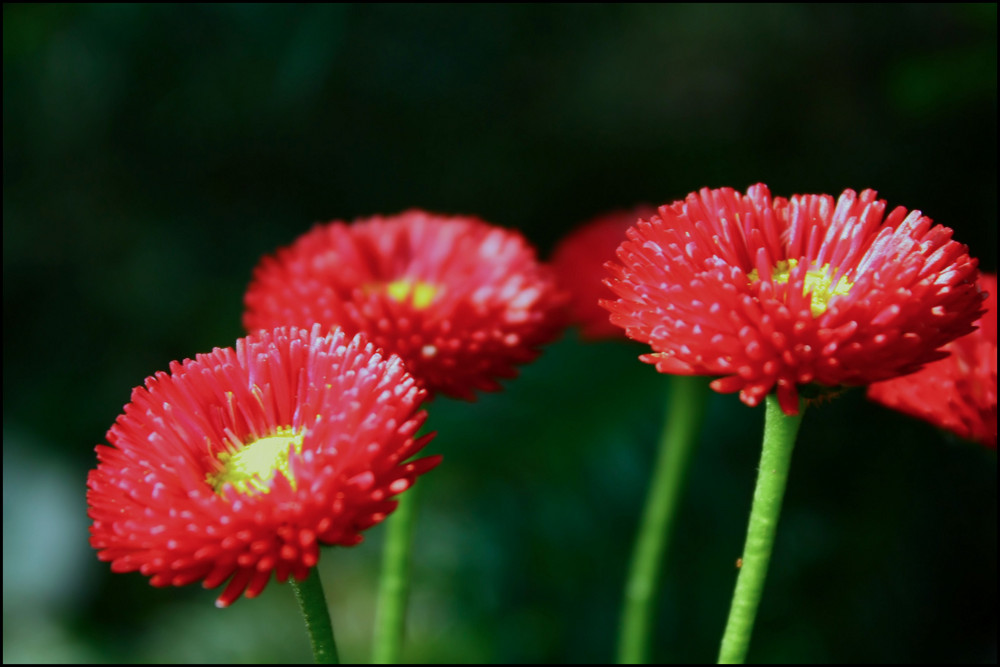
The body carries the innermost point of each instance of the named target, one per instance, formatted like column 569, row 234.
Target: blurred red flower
column 959, row 392
column 579, row 260
column 461, row 301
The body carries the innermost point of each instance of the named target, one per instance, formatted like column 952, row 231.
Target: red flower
column 461, row 301
column 792, row 292
column 240, row 463
column 959, row 392
column 579, row 261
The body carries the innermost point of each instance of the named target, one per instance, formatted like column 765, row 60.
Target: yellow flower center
column 818, row 282
column 250, row 467
column 417, row 292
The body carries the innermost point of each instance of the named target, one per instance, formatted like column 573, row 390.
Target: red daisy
column 788, row 292
column 959, row 392
column 241, row 462
column 579, row 260
column 461, row 301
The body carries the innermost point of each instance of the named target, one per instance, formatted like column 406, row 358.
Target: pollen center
column 818, row 282
column 417, row 292
column 250, row 467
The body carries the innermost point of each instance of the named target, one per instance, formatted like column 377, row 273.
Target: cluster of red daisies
column 238, row 464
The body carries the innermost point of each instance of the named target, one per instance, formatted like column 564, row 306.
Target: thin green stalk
column 685, row 409
column 312, row 602
column 780, row 431
column 394, row 585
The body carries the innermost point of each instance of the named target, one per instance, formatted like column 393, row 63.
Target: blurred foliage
column 152, row 154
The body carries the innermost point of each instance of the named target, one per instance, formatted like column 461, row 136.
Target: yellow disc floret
column 818, row 282
column 250, row 468
column 419, row 293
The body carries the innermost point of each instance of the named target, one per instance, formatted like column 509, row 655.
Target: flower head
column 788, row 292
column 959, row 392
column 241, row 462
column 579, row 260
column 461, row 301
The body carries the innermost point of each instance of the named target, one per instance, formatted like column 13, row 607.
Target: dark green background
column 152, row 154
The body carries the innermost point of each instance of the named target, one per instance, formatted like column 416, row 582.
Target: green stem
column 685, row 409
column 312, row 602
column 780, row 431
column 394, row 585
